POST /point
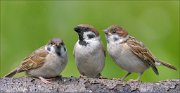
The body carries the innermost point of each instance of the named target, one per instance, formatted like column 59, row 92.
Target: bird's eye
column 52, row 43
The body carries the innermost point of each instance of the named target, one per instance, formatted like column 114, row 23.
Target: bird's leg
column 125, row 76
column 82, row 76
column 44, row 80
column 140, row 74
column 101, row 77
column 136, row 80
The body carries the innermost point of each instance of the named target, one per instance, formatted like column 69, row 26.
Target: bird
column 46, row 62
column 89, row 52
column 129, row 53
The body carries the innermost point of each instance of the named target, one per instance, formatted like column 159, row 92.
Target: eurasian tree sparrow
column 89, row 53
column 46, row 62
column 129, row 53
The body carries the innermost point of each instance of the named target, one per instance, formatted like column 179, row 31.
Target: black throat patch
column 81, row 36
column 58, row 51
column 81, row 39
column 83, row 43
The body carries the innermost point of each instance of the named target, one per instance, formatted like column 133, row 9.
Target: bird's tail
column 12, row 73
column 167, row 65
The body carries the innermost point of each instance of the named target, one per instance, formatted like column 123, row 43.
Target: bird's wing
column 141, row 52
column 35, row 60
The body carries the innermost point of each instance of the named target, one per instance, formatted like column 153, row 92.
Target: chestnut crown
column 115, row 29
column 85, row 28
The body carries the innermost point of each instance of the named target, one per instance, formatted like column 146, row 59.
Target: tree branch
column 71, row 84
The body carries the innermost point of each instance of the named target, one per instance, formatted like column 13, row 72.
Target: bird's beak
column 53, row 45
column 56, row 45
column 77, row 29
column 107, row 33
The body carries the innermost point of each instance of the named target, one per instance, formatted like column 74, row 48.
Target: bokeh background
column 27, row 25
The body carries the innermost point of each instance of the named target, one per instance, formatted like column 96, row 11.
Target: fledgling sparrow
column 129, row 53
column 89, row 53
column 46, row 62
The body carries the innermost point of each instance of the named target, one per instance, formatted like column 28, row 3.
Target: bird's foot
column 46, row 81
column 134, row 81
column 116, row 79
column 102, row 77
column 82, row 76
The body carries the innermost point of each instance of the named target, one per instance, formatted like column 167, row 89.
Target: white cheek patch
column 50, row 49
column 116, row 39
column 113, row 37
column 63, row 50
column 85, row 35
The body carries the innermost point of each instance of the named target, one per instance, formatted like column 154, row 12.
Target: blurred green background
column 27, row 25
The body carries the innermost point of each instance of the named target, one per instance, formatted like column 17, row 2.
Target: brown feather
column 141, row 52
column 35, row 60
column 93, row 29
column 11, row 74
column 168, row 65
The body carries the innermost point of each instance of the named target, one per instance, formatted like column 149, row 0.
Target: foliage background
column 27, row 25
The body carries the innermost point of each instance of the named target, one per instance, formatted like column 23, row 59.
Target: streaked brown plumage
column 129, row 53
column 46, row 62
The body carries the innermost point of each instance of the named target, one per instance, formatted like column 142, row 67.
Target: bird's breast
column 52, row 67
column 89, row 59
column 126, row 59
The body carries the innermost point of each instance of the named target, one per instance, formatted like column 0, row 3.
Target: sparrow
column 89, row 52
column 46, row 62
column 129, row 53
